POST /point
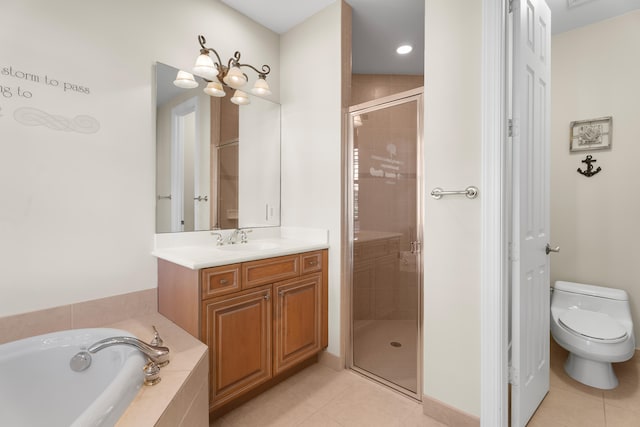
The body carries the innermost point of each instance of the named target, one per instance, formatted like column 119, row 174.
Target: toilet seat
column 593, row 325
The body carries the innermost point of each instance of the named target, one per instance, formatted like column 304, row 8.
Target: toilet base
column 590, row 372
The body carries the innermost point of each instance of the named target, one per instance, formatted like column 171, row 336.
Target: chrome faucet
column 243, row 236
column 232, row 239
column 219, row 239
column 157, row 354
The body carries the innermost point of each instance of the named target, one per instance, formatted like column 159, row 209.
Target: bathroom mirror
column 217, row 163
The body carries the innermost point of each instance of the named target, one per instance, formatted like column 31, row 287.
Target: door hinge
column 514, row 376
column 510, row 6
column 416, row 247
column 510, row 127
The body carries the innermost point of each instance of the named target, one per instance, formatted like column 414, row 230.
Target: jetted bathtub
column 38, row 387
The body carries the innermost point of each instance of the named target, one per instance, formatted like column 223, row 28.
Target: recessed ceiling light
column 404, row 49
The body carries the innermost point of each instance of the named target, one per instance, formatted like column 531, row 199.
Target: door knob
column 548, row 249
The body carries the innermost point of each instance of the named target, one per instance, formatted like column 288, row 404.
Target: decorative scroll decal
column 35, row 117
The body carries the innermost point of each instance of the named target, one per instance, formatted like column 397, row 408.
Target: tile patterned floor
column 320, row 396
column 572, row 404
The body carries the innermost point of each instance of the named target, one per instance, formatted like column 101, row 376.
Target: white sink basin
column 249, row 247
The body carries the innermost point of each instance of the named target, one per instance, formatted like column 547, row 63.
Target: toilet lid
column 592, row 324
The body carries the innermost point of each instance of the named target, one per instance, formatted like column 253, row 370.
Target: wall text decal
column 34, row 117
column 25, row 76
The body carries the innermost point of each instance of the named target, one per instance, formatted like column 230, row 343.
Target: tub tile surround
column 180, row 399
column 177, row 399
column 88, row 314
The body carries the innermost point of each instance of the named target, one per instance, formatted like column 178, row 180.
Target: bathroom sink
column 249, row 247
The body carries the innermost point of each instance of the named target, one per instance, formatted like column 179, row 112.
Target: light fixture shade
column 185, row 80
column 205, row 67
column 240, row 98
column 235, row 78
column 261, row 87
column 214, row 89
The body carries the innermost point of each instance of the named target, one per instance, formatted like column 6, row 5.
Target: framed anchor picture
column 594, row 134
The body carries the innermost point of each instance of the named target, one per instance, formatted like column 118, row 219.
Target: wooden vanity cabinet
column 297, row 329
column 260, row 319
column 237, row 330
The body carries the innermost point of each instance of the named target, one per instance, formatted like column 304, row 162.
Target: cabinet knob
column 312, row 262
column 266, row 297
column 281, row 293
column 223, row 281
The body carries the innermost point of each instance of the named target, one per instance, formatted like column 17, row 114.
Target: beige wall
column 77, row 210
column 452, row 225
column 311, row 139
column 595, row 220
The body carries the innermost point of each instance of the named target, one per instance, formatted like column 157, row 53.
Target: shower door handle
column 548, row 249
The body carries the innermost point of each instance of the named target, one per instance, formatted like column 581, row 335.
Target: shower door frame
column 369, row 106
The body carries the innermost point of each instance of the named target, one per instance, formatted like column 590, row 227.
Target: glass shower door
column 385, row 232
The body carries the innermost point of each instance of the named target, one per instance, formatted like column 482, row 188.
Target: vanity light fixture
column 216, row 74
column 185, row 80
column 240, row 98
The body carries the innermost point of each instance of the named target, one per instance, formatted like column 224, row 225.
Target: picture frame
column 589, row 135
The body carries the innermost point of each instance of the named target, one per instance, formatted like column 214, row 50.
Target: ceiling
column 380, row 25
column 567, row 15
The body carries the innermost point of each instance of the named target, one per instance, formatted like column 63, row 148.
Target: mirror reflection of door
column 189, row 154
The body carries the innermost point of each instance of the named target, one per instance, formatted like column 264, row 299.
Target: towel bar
column 471, row 192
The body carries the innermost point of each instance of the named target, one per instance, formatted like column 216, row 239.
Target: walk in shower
column 385, row 238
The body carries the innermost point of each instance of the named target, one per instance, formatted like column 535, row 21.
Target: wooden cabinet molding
column 260, row 272
column 297, row 317
column 238, row 362
column 262, row 320
column 220, row 280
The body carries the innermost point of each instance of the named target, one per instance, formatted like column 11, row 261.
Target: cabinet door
column 238, row 333
column 297, row 320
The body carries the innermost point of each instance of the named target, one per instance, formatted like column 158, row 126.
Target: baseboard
column 330, row 360
column 447, row 414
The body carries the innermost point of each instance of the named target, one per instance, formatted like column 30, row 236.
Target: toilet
column 594, row 324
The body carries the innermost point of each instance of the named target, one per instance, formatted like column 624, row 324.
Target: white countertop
column 201, row 250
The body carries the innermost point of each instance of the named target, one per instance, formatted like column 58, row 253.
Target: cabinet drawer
column 311, row 262
column 256, row 273
column 222, row 280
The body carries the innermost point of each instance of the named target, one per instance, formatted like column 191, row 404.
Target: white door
column 184, row 164
column 530, row 233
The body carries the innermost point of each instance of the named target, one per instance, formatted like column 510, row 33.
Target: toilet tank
column 614, row 302
column 591, row 290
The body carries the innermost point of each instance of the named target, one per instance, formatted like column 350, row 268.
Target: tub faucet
column 157, row 354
